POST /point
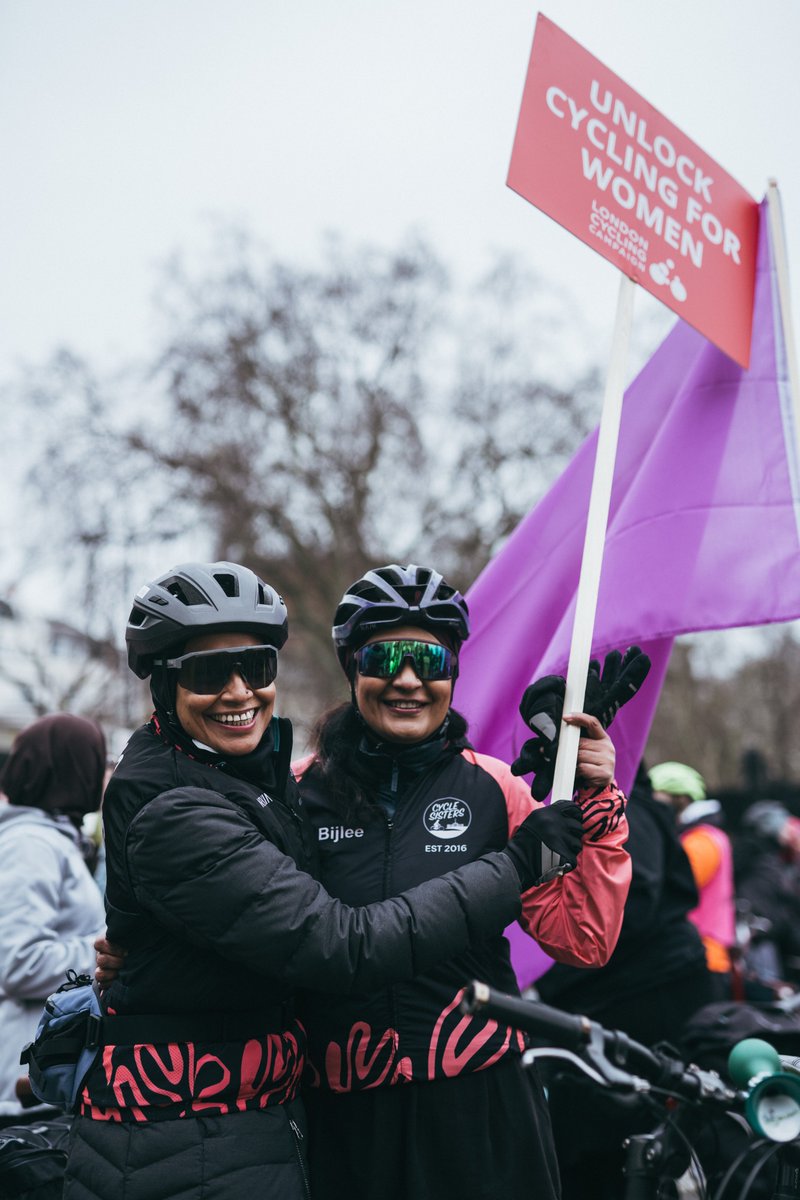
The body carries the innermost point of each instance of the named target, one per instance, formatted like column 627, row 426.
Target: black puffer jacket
column 220, row 924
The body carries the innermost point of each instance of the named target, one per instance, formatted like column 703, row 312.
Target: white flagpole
column 782, row 274
column 592, row 561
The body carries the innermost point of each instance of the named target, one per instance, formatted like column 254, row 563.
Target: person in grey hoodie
column 51, row 910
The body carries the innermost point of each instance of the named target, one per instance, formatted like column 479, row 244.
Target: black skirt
column 472, row 1137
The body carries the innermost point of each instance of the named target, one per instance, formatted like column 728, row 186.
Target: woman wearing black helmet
column 397, row 795
column 194, row 1090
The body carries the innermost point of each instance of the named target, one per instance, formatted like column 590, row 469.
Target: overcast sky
column 129, row 126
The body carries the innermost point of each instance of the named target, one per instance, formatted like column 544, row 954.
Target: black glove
column 543, row 702
column 558, row 826
column 622, row 677
column 541, row 707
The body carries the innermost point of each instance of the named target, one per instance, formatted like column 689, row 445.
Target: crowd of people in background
column 283, row 944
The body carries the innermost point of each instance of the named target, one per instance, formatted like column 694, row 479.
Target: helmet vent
column 229, row 584
column 184, row 591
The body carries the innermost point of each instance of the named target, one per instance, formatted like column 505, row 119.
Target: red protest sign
column 605, row 164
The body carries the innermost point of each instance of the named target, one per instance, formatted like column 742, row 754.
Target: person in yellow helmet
column 709, row 851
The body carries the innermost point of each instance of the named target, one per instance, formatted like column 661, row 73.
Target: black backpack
column 712, row 1032
column 33, row 1158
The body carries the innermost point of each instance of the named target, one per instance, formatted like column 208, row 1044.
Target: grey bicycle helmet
column 395, row 595
column 767, row 819
column 196, row 598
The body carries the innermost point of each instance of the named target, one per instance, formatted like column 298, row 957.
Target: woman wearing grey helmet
column 194, row 1091
column 414, row 1100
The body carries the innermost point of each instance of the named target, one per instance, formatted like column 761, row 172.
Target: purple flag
column 703, row 533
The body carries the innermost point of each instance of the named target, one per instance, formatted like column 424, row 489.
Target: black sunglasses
column 206, row 672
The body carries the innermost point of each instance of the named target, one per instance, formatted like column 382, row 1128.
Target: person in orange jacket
column 710, row 854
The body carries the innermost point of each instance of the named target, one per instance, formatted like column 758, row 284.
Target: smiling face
column 404, row 709
column 234, row 720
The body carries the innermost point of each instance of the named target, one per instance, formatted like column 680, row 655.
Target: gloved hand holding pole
column 542, row 708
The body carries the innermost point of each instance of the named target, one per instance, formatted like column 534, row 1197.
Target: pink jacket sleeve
column 576, row 918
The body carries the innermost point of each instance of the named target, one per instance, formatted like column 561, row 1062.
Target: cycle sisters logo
column 448, row 817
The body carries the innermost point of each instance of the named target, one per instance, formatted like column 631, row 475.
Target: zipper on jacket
column 301, row 829
column 407, row 799
column 387, row 857
column 386, row 893
column 298, row 1149
column 300, row 825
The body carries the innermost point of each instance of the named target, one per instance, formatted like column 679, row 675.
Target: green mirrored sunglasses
column 383, row 660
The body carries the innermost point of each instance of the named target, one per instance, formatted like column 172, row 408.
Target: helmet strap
column 164, row 690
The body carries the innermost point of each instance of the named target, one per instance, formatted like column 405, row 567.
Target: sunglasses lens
column 259, row 666
column 383, row 660
column 379, row 660
column 202, row 674
column 207, row 674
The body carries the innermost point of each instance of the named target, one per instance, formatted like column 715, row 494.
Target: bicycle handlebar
column 621, row 1061
column 570, row 1031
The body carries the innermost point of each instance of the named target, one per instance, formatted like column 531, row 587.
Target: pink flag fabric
column 703, row 533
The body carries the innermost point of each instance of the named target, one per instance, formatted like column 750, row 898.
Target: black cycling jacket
column 447, row 810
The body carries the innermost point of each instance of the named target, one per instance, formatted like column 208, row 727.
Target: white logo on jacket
column 337, row 833
column 447, row 817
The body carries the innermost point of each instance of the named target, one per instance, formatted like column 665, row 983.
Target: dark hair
column 57, row 764
column 346, row 774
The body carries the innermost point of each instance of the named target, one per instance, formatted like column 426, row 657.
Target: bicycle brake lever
column 595, row 1051
column 569, row 1056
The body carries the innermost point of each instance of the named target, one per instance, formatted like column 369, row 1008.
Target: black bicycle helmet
column 395, row 595
column 196, row 598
